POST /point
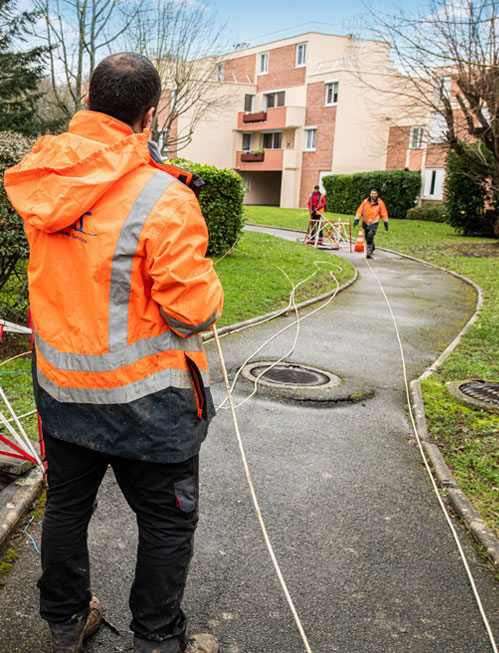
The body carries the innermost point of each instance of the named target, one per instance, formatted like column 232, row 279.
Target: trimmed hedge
column 221, row 201
column 465, row 200
column 398, row 189
column 428, row 212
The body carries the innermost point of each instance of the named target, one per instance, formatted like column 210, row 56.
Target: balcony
column 268, row 160
column 248, row 157
column 276, row 118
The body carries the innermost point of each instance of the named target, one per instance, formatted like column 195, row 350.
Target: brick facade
column 435, row 156
column 281, row 70
column 240, row 70
column 324, row 118
column 398, row 142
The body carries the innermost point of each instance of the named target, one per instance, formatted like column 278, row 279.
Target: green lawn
column 468, row 438
column 254, row 285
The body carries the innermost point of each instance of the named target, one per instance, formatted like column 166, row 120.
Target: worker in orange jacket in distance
column 371, row 210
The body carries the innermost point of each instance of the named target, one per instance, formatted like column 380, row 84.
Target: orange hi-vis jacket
column 371, row 213
column 119, row 290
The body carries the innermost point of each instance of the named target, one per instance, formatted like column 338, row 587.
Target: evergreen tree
column 20, row 73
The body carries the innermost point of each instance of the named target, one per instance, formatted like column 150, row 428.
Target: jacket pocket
column 198, row 387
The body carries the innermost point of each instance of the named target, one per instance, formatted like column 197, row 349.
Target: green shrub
column 399, row 190
column 428, row 212
column 221, row 201
column 465, row 200
column 13, row 244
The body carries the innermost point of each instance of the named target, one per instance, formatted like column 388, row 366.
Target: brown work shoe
column 202, row 644
column 68, row 638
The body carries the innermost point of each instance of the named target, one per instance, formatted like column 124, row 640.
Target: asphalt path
column 363, row 546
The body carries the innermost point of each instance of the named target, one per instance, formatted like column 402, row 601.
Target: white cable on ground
column 295, row 322
column 433, row 482
column 255, row 500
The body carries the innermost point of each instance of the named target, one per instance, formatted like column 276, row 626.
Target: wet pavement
column 363, row 546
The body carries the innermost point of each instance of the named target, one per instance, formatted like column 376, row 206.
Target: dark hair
column 124, row 86
column 318, row 187
column 374, row 189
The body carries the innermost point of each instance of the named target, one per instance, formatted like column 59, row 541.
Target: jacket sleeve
column 309, row 204
column 184, row 282
column 382, row 211
column 360, row 210
column 323, row 202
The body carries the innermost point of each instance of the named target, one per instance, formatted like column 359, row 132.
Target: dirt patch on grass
column 12, row 344
column 476, row 250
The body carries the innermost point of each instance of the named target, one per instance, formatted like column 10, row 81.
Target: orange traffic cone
column 359, row 245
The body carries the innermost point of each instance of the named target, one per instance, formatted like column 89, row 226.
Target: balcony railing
column 261, row 116
column 249, row 156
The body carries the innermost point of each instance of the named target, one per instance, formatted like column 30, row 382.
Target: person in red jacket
column 120, row 289
column 316, row 208
column 371, row 210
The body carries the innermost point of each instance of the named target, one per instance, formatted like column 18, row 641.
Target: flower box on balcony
column 249, row 156
column 261, row 116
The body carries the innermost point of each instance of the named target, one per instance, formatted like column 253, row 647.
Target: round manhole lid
column 487, row 391
column 290, row 375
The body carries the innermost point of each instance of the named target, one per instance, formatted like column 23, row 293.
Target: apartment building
column 301, row 108
column 417, row 140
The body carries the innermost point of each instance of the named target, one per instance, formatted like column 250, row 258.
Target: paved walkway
column 363, row 546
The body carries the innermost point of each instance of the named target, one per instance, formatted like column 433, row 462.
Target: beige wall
column 214, row 140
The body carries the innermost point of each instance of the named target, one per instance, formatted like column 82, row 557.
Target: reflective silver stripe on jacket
column 123, row 394
column 126, row 247
column 108, row 362
column 120, row 353
column 188, row 329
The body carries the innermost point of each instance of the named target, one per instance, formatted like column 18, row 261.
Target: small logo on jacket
column 78, row 226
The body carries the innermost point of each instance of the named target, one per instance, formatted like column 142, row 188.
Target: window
column 438, row 128
column 310, row 139
column 246, row 142
column 274, row 100
column 220, row 72
column 249, row 102
column 263, row 63
column 331, row 95
column 271, row 140
column 301, row 55
column 433, row 183
column 416, row 138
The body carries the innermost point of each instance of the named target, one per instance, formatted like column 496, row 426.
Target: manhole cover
column 487, row 391
column 477, row 394
column 290, row 375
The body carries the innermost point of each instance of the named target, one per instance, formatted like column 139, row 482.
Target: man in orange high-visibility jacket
column 119, row 289
column 316, row 208
column 371, row 210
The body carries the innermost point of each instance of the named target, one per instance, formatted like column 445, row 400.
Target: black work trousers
column 165, row 500
column 370, row 231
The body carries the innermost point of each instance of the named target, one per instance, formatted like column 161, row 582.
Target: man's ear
column 148, row 116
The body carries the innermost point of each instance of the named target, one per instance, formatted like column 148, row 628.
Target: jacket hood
column 64, row 175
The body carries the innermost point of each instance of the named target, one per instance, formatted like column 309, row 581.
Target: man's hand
column 386, row 225
column 356, row 222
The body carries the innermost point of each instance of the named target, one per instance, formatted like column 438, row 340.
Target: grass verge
column 469, row 439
